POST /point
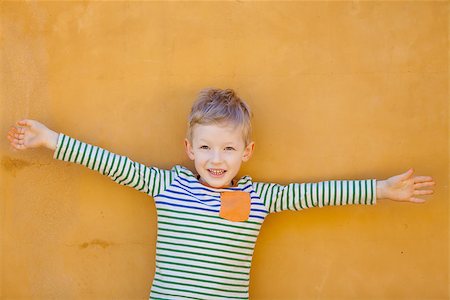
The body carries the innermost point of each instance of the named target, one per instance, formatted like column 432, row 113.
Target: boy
column 208, row 222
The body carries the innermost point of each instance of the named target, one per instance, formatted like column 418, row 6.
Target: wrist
column 51, row 140
column 381, row 189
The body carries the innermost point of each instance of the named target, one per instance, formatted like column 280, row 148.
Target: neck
column 206, row 184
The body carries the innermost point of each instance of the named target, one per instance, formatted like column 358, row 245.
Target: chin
column 217, row 183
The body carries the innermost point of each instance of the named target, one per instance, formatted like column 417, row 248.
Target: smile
column 216, row 172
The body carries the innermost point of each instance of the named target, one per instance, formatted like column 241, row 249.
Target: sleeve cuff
column 58, row 149
column 374, row 191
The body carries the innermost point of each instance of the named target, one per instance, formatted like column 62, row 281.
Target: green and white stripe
column 120, row 169
column 298, row 196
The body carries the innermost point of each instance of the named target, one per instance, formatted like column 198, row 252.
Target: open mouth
column 216, row 172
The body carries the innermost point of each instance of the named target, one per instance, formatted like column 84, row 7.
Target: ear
column 188, row 148
column 248, row 152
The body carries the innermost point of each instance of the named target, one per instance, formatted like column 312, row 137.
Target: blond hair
column 216, row 106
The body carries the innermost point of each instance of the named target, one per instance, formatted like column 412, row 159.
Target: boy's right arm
column 121, row 169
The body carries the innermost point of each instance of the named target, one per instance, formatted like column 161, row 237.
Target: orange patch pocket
column 235, row 206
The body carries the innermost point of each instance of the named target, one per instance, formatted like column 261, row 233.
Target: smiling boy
column 217, row 152
column 208, row 222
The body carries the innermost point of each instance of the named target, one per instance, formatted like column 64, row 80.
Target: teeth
column 217, row 172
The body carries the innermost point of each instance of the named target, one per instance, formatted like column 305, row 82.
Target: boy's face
column 217, row 152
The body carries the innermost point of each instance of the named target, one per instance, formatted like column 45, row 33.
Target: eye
column 229, row 148
column 204, row 147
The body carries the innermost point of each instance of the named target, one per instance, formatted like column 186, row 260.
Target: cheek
column 201, row 157
column 234, row 158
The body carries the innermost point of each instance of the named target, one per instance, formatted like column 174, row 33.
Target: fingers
column 16, row 137
column 16, row 143
column 423, row 192
column 421, row 182
column 20, row 127
column 422, row 179
column 416, row 200
column 424, row 184
column 17, row 129
column 24, row 122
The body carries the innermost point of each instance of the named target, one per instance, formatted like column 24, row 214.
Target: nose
column 216, row 157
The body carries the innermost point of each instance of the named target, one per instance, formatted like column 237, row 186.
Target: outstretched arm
column 32, row 134
column 299, row 196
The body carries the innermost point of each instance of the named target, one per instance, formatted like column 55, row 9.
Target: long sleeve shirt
column 200, row 255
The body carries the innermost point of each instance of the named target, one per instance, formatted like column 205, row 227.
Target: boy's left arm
column 298, row 196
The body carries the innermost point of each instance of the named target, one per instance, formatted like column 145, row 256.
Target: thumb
column 24, row 122
column 407, row 174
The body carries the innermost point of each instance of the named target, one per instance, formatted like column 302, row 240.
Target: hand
column 31, row 134
column 405, row 187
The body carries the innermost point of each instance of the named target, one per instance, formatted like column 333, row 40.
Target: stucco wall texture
column 339, row 90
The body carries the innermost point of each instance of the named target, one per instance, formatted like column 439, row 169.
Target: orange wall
column 339, row 90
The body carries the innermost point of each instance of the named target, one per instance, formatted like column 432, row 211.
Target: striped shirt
column 200, row 255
